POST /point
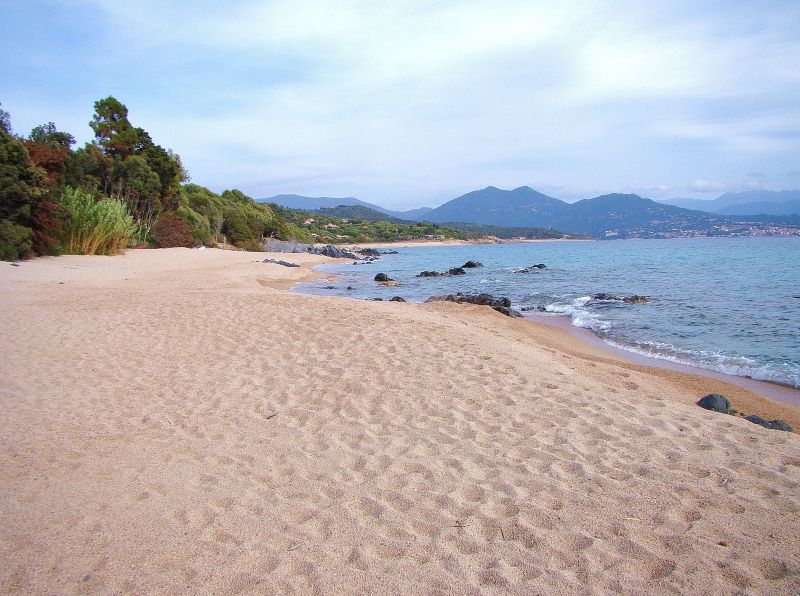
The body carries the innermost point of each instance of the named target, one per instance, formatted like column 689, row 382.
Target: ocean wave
column 741, row 366
column 579, row 315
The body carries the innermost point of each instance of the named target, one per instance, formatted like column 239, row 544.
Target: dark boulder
column 369, row 252
column 471, row 265
column 282, row 263
column 397, row 299
column 382, row 277
column 378, row 299
column 456, row 271
column 531, row 269
column 349, row 288
column 501, row 305
column 332, row 251
column 715, row 402
column 429, row 274
column 634, row 299
column 770, row 424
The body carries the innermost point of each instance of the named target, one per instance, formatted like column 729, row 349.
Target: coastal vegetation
column 119, row 190
column 362, row 226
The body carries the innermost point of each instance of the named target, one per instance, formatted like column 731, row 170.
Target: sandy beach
column 176, row 421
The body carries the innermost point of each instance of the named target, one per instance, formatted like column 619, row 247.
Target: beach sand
column 174, row 421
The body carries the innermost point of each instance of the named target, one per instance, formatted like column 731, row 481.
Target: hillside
column 313, row 203
column 318, row 226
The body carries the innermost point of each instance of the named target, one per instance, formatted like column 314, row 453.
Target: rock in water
column 635, row 299
column 383, row 277
column 715, row 402
column 429, row 274
column 471, row 265
column 397, row 299
column 369, row 252
column 456, row 271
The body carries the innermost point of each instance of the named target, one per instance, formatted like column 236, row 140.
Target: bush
column 250, row 245
column 93, row 226
column 170, row 230
column 198, row 224
column 16, row 241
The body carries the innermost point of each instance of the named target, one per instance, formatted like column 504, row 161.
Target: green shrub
column 16, row 241
column 95, row 226
column 251, row 245
column 171, row 230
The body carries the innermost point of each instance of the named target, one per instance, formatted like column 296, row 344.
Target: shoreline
column 768, row 389
column 177, row 420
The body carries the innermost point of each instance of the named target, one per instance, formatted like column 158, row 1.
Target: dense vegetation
column 318, row 226
column 507, row 233
column 120, row 190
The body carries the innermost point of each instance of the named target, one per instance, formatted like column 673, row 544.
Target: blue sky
column 413, row 103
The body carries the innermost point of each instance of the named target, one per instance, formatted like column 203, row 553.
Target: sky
column 413, row 103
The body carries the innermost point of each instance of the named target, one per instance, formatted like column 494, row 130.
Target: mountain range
column 613, row 215
column 748, row 202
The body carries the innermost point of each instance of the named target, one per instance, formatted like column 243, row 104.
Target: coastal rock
column 471, row 265
column 448, row 273
column 332, row 251
column 391, row 283
column 715, row 402
column 275, row 245
column 634, row 299
column 531, row 268
column 532, row 308
column 382, row 277
column 501, row 305
column 397, row 299
column 349, row 288
column 369, row 252
column 770, row 424
column 282, row 263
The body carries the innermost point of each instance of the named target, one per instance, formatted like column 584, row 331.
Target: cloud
column 701, row 185
column 406, row 103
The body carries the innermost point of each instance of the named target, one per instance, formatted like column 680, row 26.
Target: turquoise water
column 726, row 304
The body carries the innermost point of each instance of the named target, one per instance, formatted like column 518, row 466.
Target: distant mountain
column 625, row 214
column 521, row 207
column 763, row 207
column 726, row 204
column 614, row 215
column 313, row 203
column 416, row 214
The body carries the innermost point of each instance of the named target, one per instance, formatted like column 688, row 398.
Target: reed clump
column 95, row 227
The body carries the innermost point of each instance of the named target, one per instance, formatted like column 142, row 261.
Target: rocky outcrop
column 471, row 265
column 329, row 250
column 383, row 278
column 531, row 268
column 719, row 403
column 770, row 424
column 282, row 263
column 501, row 305
column 715, row 402
column 397, row 299
column 448, row 273
column 634, row 299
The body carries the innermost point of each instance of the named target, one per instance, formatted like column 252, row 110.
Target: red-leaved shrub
column 172, row 231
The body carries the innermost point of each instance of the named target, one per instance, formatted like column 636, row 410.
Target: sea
column 730, row 305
